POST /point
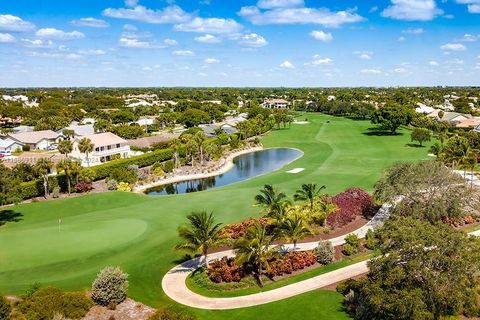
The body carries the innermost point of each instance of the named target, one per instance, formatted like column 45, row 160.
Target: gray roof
column 5, row 143
column 35, row 136
column 79, row 130
column 449, row 116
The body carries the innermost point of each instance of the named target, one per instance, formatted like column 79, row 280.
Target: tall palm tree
column 270, row 199
column 293, row 229
column 71, row 169
column 42, row 167
column 255, row 249
column 176, row 144
column 86, row 146
column 201, row 234
column 199, row 139
column 308, row 192
column 65, row 147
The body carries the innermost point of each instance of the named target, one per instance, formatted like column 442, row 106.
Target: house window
column 102, row 148
column 96, row 149
column 109, row 147
column 118, row 145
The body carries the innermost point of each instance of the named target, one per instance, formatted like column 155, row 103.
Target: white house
column 78, row 130
column 7, row 146
column 276, row 104
column 107, row 146
column 39, row 140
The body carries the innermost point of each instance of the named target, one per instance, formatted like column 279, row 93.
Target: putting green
column 138, row 232
column 67, row 239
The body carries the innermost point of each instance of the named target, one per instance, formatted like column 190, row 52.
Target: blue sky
column 239, row 43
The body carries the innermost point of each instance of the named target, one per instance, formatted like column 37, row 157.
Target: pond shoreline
column 224, row 167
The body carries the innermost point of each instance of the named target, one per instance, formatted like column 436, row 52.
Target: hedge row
column 102, row 171
column 34, row 188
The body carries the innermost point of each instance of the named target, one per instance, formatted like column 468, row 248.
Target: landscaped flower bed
column 351, row 203
column 226, row 270
column 237, row 230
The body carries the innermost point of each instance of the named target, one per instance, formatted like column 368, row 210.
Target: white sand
column 301, row 122
column 296, row 170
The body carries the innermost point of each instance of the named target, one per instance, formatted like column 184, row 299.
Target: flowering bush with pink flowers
column 351, row 203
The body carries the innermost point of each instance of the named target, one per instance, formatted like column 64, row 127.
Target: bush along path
column 174, row 282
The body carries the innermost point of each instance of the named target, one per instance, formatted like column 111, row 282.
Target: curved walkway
column 173, row 283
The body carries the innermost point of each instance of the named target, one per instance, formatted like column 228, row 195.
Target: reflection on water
column 244, row 167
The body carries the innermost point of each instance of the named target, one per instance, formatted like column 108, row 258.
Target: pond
column 244, row 167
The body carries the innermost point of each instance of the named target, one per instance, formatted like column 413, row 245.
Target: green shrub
column 112, row 184
column 26, row 147
column 47, row 302
column 123, row 175
column 56, row 192
column 34, row 287
column 325, row 252
column 158, row 171
column 110, row 287
column 102, row 171
column 171, row 314
column 348, row 250
column 168, row 166
column 370, row 240
column 353, row 240
column 5, row 309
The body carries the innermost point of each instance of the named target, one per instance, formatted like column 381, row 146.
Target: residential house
column 452, row 117
column 78, row 130
column 107, row 146
column 467, row 123
column 39, row 140
column 424, row 109
column 276, row 104
column 23, row 129
column 7, row 146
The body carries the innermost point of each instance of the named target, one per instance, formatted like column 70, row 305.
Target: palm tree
column 86, row 146
column 176, row 144
column 327, row 207
column 71, row 169
column 42, row 167
column 270, row 199
column 308, row 192
column 293, row 229
column 255, row 249
column 199, row 139
column 201, row 235
column 65, row 147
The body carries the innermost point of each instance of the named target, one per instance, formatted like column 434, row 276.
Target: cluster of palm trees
column 195, row 147
column 71, row 168
column 288, row 222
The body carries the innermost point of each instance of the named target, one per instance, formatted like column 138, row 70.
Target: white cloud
column 319, row 61
column 92, row 52
column 73, row 56
column 412, row 10
column 270, row 4
column 365, row 55
column 90, row 22
column 253, row 40
column 183, row 53
column 37, row 43
column 211, row 61
column 453, row 47
column 456, row 62
column 401, row 38
column 13, row 23
column 400, row 70
column 130, row 27
column 52, row 33
column 469, row 38
column 170, row 14
column 208, row 38
column 287, row 65
column 210, row 25
column 413, row 31
column 7, row 38
column 134, row 43
column 474, row 8
column 203, row 74
column 433, row 63
column 131, row 3
column 320, row 16
column 321, row 36
column 371, row 71
column 170, row 42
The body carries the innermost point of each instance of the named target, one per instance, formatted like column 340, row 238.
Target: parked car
column 52, row 147
column 2, row 155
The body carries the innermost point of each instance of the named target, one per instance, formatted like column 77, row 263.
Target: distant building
column 467, row 123
column 7, row 146
column 452, row 117
column 424, row 109
column 276, row 104
column 39, row 140
column 78, row 130
column 107, row 146
column 23, row 129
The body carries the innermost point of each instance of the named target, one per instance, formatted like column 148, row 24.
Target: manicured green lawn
column 138, row 232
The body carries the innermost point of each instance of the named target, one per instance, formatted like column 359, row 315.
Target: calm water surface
column 244, row 167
